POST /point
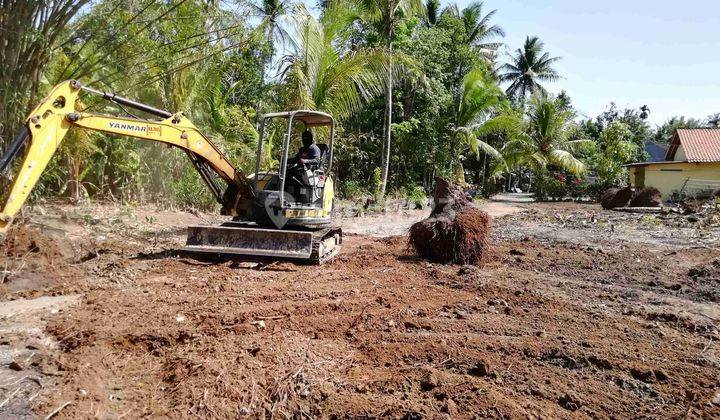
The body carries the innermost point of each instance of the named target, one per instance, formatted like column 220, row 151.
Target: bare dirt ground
column 578, row 313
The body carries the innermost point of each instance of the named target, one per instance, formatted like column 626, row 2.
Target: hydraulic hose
column 14, row 149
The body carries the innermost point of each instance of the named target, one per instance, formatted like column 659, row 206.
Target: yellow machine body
column 244, row 198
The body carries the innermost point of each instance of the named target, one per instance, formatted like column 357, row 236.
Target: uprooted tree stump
column 614, row 197
column 647, row 197
column 606, row 199
column 456, row 232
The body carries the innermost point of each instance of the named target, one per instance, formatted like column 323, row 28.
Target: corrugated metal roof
column 657, row 152
column 700, row 144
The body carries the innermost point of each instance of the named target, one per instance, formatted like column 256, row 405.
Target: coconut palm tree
column 432, row 11
column 482, row 110
column 478, row 29
column 386, row 15
column 713, row 120
column 273, row 15
column 545, row 139
column 318, row 76
column 528, row 67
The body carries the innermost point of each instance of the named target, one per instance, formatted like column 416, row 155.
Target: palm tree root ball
column 456, row 232
column 613, row 197
column 647, row 197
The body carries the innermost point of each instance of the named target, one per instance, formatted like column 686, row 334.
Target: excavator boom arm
column 50, row 121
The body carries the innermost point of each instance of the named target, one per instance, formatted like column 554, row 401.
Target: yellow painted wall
column 680, row 154
column 669, row 178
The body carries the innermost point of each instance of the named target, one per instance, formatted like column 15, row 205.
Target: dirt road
column 551, row 327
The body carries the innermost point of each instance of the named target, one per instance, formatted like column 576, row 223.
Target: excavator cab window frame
column 310, row 119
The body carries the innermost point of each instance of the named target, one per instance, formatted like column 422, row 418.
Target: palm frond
column 480, row 94
column 567, row 161
column 503, row 123
column 469, row 138
column 527, row 67
column 321, row 77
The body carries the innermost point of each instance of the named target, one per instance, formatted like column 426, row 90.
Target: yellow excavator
column 286, row 213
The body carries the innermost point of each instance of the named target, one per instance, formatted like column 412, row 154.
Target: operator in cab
column 309, row 153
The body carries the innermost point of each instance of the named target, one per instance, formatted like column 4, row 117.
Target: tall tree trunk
column 76, row 179
column 387, row 129
column 263, row 73
column 484, row 168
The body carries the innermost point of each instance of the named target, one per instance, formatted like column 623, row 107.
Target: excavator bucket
column 314, row 247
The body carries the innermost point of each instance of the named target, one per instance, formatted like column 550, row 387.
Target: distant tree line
column 420, row 89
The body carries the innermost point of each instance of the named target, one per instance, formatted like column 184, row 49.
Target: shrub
column 417, row 197
column 556, row 186
column 190, row 191
column 351, row 189
column 377, row 185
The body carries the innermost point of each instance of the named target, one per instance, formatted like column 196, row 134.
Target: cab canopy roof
column 307, row 117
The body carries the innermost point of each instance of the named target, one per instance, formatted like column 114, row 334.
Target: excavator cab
column 307, row 189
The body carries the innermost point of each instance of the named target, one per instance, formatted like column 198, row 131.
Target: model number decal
column 151, row 130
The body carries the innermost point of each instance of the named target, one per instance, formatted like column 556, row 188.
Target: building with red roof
column 691, row 166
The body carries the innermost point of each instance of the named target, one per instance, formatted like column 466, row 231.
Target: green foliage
column 548, row 186
column 640, row 131
column 478, row 31
column 555, row 185
column 351, row 189
column 377, row 184
column 320, row 76
column 664, row 132
column 417, row 196
column 222, row 66
column 481, row 111
column 612, row 151
column 189, row 191
column 546, row 138
column 528, row 67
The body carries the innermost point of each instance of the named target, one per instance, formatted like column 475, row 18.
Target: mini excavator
column 280, row 214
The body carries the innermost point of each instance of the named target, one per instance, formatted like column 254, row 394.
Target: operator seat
column 307, row 185
column 323, row 151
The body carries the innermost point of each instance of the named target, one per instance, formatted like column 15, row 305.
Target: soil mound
column 614, row 197
column 22, row 240
column 647, row 197
column 707, row 272
column 455, row 232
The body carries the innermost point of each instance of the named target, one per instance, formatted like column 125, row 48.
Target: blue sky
column 633, row 52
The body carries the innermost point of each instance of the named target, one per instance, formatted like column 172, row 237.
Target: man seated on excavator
column 307, row 159
column 309, row 153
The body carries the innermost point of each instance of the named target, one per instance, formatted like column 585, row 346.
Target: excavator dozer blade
column 250, row 241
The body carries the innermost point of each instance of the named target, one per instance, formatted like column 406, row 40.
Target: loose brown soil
column 548, row 327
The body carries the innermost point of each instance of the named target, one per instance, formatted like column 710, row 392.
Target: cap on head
column 307, row 138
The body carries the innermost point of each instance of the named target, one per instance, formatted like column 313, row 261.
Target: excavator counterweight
column 282, row 214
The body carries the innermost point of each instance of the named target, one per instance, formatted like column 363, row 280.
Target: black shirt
column 310, row 153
